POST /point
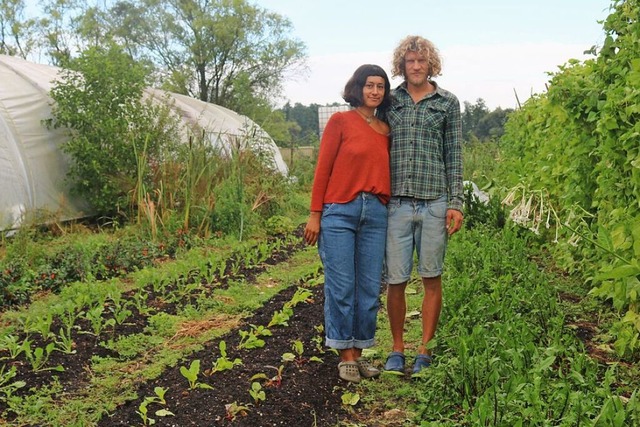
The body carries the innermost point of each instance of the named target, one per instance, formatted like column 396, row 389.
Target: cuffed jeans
column 352, row 246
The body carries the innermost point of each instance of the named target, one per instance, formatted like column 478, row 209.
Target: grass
column 504, row 352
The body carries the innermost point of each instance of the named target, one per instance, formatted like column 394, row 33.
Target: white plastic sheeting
column 32, row 165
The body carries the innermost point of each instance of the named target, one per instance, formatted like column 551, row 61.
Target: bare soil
column 305, row 392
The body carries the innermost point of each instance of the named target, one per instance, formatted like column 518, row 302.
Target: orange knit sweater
column 353, row 157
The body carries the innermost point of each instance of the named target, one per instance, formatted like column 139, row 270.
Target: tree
column 306, row 131
column 472, row 115
column 202, row 47
column 491, row 126
column 480, row 123
column 16, row 32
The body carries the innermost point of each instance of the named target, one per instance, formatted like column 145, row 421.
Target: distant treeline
column 478, row 123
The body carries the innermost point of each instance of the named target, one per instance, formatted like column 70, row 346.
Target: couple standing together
column 388, row 182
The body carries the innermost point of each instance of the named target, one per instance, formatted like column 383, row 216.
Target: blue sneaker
column 422, row 362
column 395, row 363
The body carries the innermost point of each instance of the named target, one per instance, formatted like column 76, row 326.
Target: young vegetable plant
column 38, row 358
column 143, row 411
column 7, row 388
column 64, row 341
column 234, row 409
column 257, row 393
column 349, row 400
column 275, row 381
column 223, row 363
column 13, row 346
column 191, row 375
column 281, row 317
column 317, row 340
column 94, row 316
column 301, row 295
column 158, row 399
column 120, row 312
column 39, row 324
column 296, row 356
column 251, row 339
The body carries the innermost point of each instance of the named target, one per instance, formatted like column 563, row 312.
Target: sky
column 491, row 49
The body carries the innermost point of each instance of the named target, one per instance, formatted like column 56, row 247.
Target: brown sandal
column 349, row 371
column 366, row 369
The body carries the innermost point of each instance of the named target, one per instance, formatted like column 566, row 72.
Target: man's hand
column 454, row 221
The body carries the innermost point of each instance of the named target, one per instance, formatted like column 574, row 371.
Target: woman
column 348, row 218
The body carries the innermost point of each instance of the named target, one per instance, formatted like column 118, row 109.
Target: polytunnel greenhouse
column 33, row 167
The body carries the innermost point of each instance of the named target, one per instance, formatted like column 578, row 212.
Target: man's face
column 416, row 68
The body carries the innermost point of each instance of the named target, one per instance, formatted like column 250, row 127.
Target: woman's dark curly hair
column 352, row 93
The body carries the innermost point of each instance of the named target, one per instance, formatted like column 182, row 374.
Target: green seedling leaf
column 350, row 399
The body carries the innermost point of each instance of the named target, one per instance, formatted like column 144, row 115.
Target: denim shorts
column 351, row 247
column 420, row 226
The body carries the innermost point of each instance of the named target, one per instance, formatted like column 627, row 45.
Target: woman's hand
column 312, row 230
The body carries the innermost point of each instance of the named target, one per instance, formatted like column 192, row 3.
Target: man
column 426, row 189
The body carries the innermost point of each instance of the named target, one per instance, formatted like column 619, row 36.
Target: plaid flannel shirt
column 426, row 146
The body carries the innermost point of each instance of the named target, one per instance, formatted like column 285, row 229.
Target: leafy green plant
column 301, row 295
column 192, row 373
column 7, row 388
column 39, row 357
column 13, row 345
column 350, row 399
column 99, row 97
column 297, row 356
column 120, row 311
column 223, row 363
column 94, row 316
column 64, row 341
column 274, row 381
column 234, row 409
column 281, row 317
column 251, row 339
column 257, row 393
column 159, row 398
column 40, row 324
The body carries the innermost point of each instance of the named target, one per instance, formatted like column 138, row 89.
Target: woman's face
column 373, row 91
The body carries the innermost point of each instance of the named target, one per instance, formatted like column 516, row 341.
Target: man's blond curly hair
column 420, row 45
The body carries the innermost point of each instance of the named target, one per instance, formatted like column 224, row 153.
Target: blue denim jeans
column 351, row 246
column 420, row 226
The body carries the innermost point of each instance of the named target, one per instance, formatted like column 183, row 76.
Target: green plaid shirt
column 426, row 146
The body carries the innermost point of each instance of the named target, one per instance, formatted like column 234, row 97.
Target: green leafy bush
column 99, row 99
